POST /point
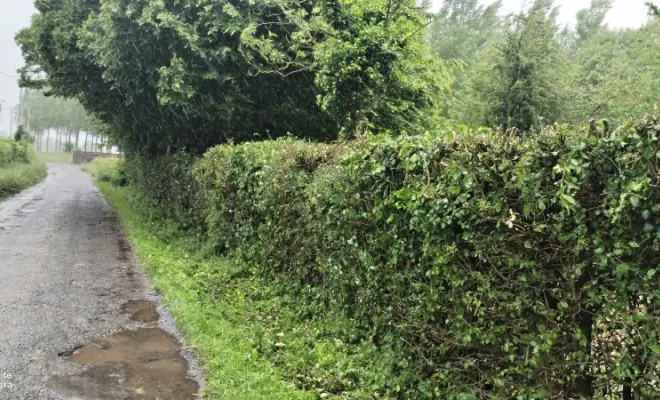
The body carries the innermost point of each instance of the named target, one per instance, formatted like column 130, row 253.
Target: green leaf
column 655, row 348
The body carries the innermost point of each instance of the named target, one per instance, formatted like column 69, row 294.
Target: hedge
column 494, row 266
column 13, row 152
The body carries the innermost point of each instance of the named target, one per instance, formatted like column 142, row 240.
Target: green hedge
column 13, row 152
column 492, row 266
column 168, row 186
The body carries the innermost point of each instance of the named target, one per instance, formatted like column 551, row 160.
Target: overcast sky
column 626, row 13
column 15, row 14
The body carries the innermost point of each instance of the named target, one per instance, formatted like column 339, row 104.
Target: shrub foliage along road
column 478, row 267
column 19, row 167
column 13, row 152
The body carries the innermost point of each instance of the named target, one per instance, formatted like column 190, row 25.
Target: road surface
column 68, row 285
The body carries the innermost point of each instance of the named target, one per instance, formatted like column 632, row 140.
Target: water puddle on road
column 144, row 364
column 141, row 311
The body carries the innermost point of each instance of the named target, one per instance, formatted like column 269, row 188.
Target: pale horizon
column 624, row 13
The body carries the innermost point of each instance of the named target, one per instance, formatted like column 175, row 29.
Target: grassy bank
column 17, row 177
column 220, row 329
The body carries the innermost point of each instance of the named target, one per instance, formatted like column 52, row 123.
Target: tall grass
column 104, row 169
column 17, row 177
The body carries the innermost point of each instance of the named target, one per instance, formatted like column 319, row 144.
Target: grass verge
column 17, row 177
column 233, row 367
column 55, row 157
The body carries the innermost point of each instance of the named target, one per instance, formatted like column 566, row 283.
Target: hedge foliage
column 13, row 152
column 493, row 266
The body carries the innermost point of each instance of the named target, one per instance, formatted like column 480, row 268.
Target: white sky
column 625, row 13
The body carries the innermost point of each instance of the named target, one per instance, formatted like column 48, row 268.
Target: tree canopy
column 188, row 74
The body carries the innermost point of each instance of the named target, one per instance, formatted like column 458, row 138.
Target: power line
column 8, row 76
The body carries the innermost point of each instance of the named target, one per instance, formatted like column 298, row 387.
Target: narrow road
column 68, row 285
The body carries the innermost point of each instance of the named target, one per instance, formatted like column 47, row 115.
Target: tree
column 20, row 134
column 462, row 28
column 46, row 114
column 68, row 147
column 520, row 81
column 653, row 9
column 190, row 74
column 616, row 74
column 590, row 21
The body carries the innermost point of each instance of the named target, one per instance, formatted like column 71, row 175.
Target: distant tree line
column 525, row 70
column 56, row 124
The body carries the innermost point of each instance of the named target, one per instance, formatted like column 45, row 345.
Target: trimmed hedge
column 168, row 185
column 495, row 267
column 13, row 152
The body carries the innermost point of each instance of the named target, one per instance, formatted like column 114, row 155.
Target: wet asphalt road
column 65, row 271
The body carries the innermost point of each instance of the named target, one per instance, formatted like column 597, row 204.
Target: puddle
column 136, row 365
column 124, row 250
column 141, row 311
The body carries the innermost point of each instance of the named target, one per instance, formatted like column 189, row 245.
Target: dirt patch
column 141, row 311
column 144, row 364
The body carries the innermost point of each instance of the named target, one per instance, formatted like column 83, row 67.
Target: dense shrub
column 13, row 152
column 19, row 167
column 491, row 266
column 255, row 203
column 166, row 182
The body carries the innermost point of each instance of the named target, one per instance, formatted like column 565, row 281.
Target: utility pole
column 20, row 106
column 11, row 121
column 27, row 93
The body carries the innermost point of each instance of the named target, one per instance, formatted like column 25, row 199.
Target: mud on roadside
column 140, row 364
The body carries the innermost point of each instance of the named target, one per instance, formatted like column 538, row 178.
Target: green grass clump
column 17, row 177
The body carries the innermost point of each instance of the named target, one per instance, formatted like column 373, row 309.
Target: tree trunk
column 627, row 393
column 48, row 141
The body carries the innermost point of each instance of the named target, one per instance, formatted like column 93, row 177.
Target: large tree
column 462, row 28
column 168, row 75
column 591, row 21
column 521, row 81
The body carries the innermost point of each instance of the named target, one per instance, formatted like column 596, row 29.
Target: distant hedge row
column 13, row 152
column 497, row 267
